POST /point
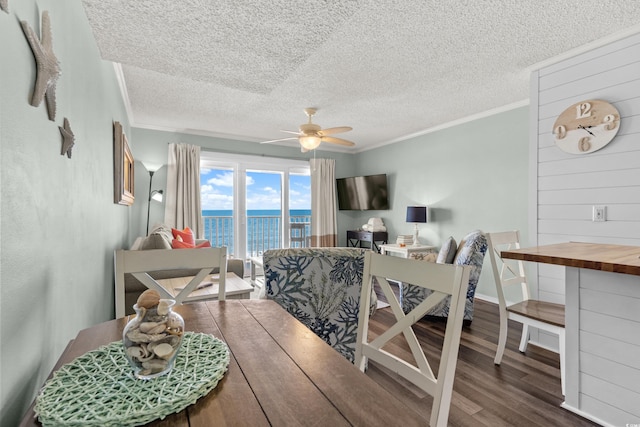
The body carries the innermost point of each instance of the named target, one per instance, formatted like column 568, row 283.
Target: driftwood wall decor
column 122, row 167
column 68, row 138
column 47, row 65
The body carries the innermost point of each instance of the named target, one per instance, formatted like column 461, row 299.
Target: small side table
column 356, row 237
column 405, row 251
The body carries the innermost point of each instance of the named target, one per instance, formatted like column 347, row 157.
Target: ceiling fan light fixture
column 310, row 135
column 310, row 142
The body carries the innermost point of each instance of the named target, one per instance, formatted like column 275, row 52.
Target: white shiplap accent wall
column 569, row 185
column 563, row 190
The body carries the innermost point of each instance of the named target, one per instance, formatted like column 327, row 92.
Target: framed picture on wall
column 122, row 167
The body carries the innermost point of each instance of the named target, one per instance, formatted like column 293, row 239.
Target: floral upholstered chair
column 470, row 251
column 321, row 288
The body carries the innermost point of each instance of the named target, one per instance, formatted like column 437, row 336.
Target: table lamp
column 416, row 214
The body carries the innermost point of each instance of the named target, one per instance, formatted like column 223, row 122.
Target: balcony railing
column 263, row 232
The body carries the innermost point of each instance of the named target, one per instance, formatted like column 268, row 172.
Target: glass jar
column 152, row 339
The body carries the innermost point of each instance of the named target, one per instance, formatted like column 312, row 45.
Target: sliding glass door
column 252, row 204
column 299, row 210
column 218, row 195
column 264, row 213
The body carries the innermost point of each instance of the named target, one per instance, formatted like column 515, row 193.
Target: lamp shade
column 416, row 214
column 157, row 195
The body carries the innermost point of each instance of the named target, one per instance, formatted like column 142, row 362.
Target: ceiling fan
column 310, row 135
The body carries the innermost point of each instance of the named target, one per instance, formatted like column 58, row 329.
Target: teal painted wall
column 59, row 225
column 474, row 175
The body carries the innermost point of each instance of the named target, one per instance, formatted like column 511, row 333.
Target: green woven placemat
column 98, row 388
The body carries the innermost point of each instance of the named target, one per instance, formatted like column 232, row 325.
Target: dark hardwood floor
column 523, row 391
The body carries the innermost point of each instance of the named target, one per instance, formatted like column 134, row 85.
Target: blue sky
column 263, row 190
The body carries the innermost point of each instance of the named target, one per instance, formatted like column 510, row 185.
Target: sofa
column 321, row 288
column 470, row 251
column 160, row 238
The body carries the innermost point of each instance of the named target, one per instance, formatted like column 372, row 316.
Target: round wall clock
column 586, row 126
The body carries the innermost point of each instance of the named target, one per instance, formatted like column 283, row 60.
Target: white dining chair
column 139, row 263
column 530, row 312
column 445, row 280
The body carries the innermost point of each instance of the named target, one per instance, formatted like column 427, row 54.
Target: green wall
column 474, row 175
column 59, row 225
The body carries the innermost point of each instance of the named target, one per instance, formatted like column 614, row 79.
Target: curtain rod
column 213, row 150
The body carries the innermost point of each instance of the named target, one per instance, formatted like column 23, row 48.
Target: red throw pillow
column 177, row 244
column 185, row 235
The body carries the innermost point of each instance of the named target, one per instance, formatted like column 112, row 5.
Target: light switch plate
column 599, row 213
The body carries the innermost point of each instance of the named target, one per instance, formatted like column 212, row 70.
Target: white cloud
column 303, row 202
column 215, row 202
column 302, row 187
column 222, row 180
column 211, row 198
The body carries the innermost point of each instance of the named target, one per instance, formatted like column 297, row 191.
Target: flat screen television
column 363, row 193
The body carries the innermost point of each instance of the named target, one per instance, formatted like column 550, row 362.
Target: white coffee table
column 235, row 287
column 405, row 251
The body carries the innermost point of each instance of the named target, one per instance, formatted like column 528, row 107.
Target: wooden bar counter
column 594, row 256
column 602, row 319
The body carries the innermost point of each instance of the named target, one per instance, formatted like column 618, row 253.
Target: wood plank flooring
column 523, row 391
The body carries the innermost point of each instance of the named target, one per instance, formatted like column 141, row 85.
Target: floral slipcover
column 471, row 252
column 321, row 288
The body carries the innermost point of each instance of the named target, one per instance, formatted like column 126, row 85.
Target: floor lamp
column 155, row 195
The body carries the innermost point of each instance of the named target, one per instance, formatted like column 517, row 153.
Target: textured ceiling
column 246, row 69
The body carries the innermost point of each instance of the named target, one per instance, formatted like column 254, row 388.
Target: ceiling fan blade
column 290, row 131
column 339, row 141
column 331, row 131
column 277, row 140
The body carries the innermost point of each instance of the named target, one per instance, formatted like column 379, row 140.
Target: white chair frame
column 444, row 280
column 511, row 272
column 140, row 262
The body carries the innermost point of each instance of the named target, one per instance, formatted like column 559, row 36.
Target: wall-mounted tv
column 363, row 193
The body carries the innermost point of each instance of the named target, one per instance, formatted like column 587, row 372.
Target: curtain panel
column 183, row 208
column 324, row 229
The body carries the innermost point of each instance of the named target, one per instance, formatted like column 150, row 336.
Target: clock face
column 586, row 126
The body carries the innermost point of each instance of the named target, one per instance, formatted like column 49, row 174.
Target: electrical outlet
column 599, row 213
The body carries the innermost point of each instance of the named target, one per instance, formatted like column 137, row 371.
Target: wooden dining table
column 280, row 373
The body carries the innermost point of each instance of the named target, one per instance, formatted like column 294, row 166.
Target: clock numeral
column 610, row 122
column 584, row 144
column 560, row 131
column 583, row 110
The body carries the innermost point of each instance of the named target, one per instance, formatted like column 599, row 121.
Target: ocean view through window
column 244, row 206
column 263, row 228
